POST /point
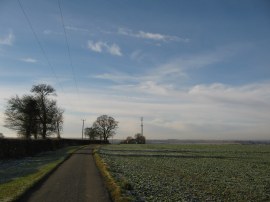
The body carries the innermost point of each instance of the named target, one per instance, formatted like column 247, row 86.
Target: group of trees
column 138, row 139
column 35, row 115
column 103, row 128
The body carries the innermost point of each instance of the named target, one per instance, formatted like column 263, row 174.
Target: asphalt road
column 76, row 180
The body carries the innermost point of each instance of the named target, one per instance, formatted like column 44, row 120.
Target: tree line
column 138, row 139
column 35, row 115
column 105, row 127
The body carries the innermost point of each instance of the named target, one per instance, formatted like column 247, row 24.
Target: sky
column 196, row 69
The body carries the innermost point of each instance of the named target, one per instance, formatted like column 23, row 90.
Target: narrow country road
column 76, row 180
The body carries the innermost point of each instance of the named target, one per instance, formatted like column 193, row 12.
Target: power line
column 69, row 54
column 39, row 44
column 70, row 58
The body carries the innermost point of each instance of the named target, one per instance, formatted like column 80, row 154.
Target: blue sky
column 192, row 69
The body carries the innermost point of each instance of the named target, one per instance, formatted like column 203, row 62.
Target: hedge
column 17, row 148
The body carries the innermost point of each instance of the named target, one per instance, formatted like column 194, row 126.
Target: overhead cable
column 68, row 49
column 39, row 44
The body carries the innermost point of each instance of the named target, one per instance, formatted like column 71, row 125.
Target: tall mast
column 141, row 125
column 83, row 120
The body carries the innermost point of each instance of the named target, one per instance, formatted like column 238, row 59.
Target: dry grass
column 114, row 189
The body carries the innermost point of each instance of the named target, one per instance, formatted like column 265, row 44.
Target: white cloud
column 96, row 47
column 7, row 40
column 76, row 29
column 167, row 77
column 214, row 111
column 101, row 46
column 151, row 36
column 114, row 49
column 29, row 60
column 248, row 95
column 154, row 36
column 190, row 114
column 50, row 32
column 116, row 77
column 158, row 81
column 145, row 87
column 136, row 55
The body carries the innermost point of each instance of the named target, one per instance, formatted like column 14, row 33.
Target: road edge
column 113, row 188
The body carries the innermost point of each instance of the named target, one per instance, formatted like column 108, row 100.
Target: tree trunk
column 44, row 121
column 44, row 130
column 58, row 130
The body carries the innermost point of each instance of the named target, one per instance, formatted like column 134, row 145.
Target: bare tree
column 59, row 121
column 54, row 118
column 42, row 91
column 22, row 115
column 106, row 126
column 91, row 132
column 129, row 140
column 140, row 139
column 35, row 115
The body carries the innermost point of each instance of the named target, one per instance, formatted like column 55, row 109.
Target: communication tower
column 141, row 125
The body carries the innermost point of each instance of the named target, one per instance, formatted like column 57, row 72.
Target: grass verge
column 19, row 176
column 112, row 186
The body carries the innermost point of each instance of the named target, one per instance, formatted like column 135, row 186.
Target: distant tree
column 57, row 120
column 2, row 136
column 41, row 92
column 91, row 132
column 22, row 115
column 105, row 126
column 140, row 139
column 129, row 140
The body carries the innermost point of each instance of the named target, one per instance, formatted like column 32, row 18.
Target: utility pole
column 141, row 125
column 83, row 120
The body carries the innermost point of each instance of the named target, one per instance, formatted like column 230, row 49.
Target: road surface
column 76, row 180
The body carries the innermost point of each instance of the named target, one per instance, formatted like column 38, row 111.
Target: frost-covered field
column 191, row 172
column 17, row 175
column 12, row 169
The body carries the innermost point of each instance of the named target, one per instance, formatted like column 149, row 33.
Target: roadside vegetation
column 190, row 172
column 115, row 191
column 17, row 176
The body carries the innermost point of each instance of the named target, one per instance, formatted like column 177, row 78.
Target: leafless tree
column 140, row 139
column 34, row 115
column 41, row 92
column 91, row 132
column 22, row 115
column 105, row 126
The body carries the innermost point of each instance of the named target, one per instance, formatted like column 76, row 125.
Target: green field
column 191, row 172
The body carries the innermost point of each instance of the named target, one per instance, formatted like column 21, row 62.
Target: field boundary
column 169, row 156
column 19, row 148
column 114, row 189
